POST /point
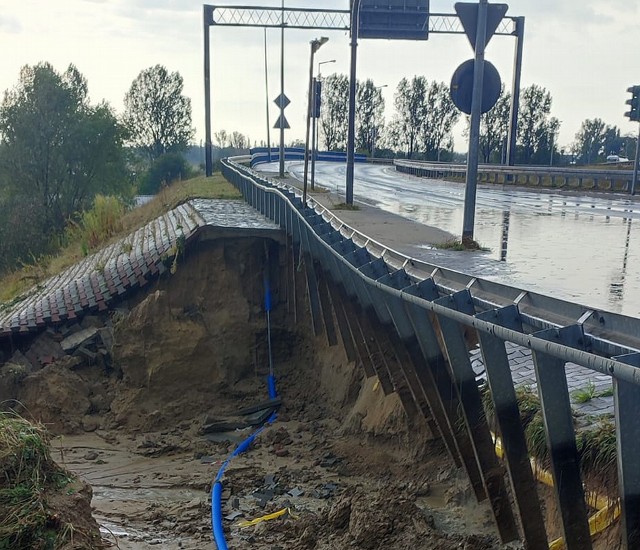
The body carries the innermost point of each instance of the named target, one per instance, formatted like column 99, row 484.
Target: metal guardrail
column 260, row 155
column 422, row 313
column 539, row 176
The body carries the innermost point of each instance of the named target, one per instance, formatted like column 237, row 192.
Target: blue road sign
column 282, row 101
column 462, row 86
column 394, row 19
column 281, row 123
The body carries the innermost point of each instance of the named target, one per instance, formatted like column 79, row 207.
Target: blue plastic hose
column 216, row 490
column 216, row 516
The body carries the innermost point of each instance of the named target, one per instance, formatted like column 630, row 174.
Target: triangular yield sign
column 468, row 14
column 281, row 123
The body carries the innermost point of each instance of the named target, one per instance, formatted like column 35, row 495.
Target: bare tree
column 221, row 138
column 237, row 140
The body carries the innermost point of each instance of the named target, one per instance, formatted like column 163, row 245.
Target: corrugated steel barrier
column 611, row 180
column 412, row 324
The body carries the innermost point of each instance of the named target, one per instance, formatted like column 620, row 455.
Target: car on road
column 616, row 158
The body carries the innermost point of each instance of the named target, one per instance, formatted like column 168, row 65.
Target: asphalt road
column 580, row 247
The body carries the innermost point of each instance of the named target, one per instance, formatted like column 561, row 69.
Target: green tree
column 440, row 117
column 494, row 128
column 56, row 147
column 410, row 101
column 369, row 115
column 334, row 111
column 614, row 143
column 165, row 170
column 590, row 140
column 56, row 153
column 157, row 114
column 536, row 127
column 596, row 140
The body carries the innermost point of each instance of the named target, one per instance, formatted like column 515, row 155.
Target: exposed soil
column 128, row 406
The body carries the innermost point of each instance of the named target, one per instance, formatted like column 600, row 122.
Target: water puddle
column 151, row 494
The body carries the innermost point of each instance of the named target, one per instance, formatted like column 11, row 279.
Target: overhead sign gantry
column 384, row 19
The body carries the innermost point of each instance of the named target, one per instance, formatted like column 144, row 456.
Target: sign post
column 474, row 131
column 480, row 23
column 390, row 20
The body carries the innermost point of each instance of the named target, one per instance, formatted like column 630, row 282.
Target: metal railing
column 427, row 315
column 539, row 176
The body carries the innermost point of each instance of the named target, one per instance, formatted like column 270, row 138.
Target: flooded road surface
column 578, row 247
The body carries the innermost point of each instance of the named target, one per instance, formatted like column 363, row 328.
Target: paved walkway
column 129, row 263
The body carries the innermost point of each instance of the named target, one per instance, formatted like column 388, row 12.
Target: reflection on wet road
column 581, row 248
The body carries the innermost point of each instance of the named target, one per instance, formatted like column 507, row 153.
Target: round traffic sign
column 462, row 86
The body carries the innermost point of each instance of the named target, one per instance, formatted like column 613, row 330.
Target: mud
column 154, row 490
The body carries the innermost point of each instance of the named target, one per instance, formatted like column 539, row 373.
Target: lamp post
column 324, row 63
column 351, row 122
column 314, row 128
column 266, row 89
column 315, row 46
column 281, row 148
column 374, row 136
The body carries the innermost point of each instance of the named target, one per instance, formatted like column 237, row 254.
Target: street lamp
column 316, row 44
column 323, row 63
column 315, row 126
column 374, row 133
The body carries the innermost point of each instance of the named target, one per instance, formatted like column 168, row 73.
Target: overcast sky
column 585, row 52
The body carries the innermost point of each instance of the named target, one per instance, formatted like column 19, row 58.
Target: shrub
column 98, row 224
column 164, row 170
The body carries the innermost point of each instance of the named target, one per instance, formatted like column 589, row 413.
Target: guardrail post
column 388, row 325
column 370, row 364
column 349, row 299
column 402, row 323
column 561, row 439
column 627, row 409
column 346, row 333
column 373, row 326
column 367, row 333
column 325, row 306
column 447, row 391
column 361, row 258
column 507, row 413
column 490, row 468
column 312, row 283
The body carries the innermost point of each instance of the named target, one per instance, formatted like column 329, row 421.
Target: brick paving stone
column 133, row 261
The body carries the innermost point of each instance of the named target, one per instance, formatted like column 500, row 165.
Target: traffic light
column 634, row 102
column 317, row 99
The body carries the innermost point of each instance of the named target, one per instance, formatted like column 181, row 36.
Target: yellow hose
column 607, row 510
column 274, row 515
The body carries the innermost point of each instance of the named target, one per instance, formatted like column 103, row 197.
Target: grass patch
column 460, row 246
column 595, row 438
column 97, row 225
column 105, row 223
column 28, row 474
column 345, row 206
column 589, row 392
